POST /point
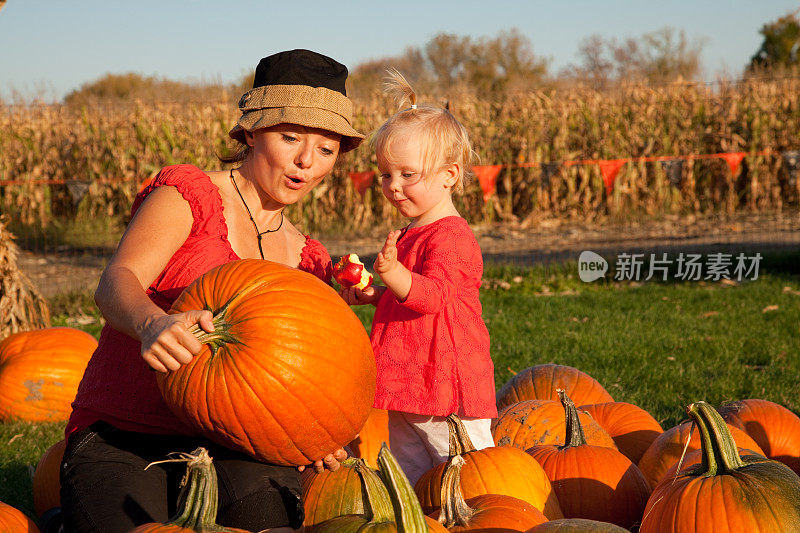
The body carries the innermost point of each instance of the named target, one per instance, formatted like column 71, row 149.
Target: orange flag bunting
column 609, row 169
column 362, row 180
column 487, row 177
column 733, row 160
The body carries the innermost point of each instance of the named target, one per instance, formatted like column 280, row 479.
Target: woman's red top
column 118, row 386
column 432, row 349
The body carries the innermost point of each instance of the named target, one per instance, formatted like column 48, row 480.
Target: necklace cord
column 259, row 234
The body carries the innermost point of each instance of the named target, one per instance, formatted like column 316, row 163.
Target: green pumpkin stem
column 455, row 511
column 198, row 501
column 574, row 436
column 460, row 443
column 221, row 335
column 407, row 509
column 720, row 455
column 377, row 503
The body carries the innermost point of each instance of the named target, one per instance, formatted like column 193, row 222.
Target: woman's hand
column 166, row 341
column 354, row 296
column 331, row 462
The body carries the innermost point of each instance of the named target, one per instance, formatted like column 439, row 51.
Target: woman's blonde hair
column 444, row 139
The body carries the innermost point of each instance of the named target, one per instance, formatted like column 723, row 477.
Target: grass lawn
column 658, row 345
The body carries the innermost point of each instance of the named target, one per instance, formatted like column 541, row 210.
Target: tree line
column 495, row 65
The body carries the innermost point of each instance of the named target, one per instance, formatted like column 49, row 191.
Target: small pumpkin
column 593, row 482
column 46, row 480
column 40, row 371
column 725, row 492
column 668, row 448
column 541, row 422
column 198, row 501
column 541, row 381
column 774, row 428
column 12, row 520
column 288, row 374
column 502, row 470
column 632, row 428
column 488, row 512
column 329, row 494
column 389, row 503
column 371, row 437
column 576, row 525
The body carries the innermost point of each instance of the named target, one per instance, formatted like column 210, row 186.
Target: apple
column 350, row 272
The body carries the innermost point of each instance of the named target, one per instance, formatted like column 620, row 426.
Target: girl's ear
column 452, row 173
column 248, row 137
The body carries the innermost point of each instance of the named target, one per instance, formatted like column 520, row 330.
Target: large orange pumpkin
column 198, row 503
column 593, row 482
column 488, row 512
column 371, row 437
column 40, row 371
column 668, row 448
column 774, row 428
column 541, row 422
column 726, row 493
column 632, row 428
column 12, row 520
column 288, row 375
column 541, row 381
column 496, row 470
column 46, row 482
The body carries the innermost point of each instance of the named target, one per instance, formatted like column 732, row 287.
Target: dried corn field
column 59, row 162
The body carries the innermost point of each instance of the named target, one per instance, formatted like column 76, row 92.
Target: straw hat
column 299, row 87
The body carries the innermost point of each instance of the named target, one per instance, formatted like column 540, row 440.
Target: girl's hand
column 331, row 462
column 387, row 257
column 166, row 341
column 354, row 296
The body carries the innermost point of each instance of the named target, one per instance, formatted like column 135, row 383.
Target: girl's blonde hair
column 443, row 138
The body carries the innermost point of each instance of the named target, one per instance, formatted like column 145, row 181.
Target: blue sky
column 49, row 47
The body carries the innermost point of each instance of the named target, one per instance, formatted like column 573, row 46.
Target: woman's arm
column 160, row 226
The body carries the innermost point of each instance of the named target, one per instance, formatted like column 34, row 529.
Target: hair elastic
column 413, row 106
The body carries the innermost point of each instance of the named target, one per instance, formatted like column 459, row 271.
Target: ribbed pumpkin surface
column 726, row 493
column 541, row 381
column 498, row 470
column 371, row 437
column 774, row 428
column 541, row 422
column 40, row 371
column 668, row 447
column 632, row 428
column 293, row 380
column 13, row 520
column 330, row 494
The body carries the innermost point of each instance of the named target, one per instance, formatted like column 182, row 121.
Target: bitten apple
column 350, row 272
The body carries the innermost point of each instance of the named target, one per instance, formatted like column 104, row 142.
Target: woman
column 294, row 123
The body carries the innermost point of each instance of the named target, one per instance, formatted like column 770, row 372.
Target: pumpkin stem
column 407, row 510
column 198, row 501
column 377, row 504
column 221, row 335
column 455, row 511
column 574, row 436
column 460, row 443
column 720, row 455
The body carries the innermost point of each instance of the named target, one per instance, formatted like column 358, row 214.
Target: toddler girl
column 430, row 342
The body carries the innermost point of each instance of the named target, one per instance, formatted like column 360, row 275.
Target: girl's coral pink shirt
column 432, row 350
